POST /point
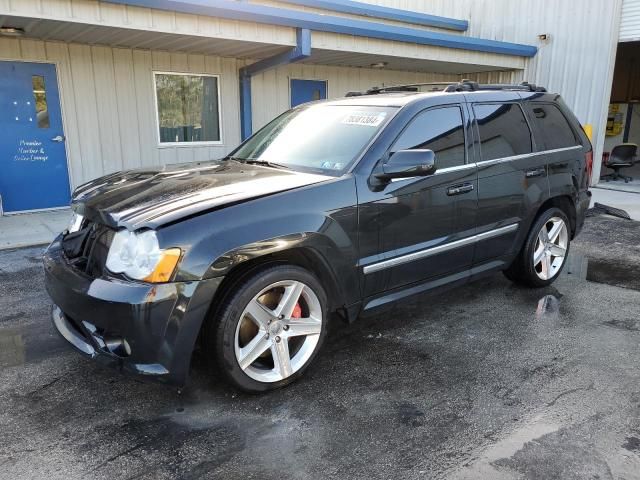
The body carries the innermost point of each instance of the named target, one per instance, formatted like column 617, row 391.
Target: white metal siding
column 271, row 95
column 103, row 14
column 578, row 59
column 108, row 100
column 630, row 21
column 577, row 62
column 108, row 104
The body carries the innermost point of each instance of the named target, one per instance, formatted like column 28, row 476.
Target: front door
column 303, row 91
column 33, row 158
column 424, row 222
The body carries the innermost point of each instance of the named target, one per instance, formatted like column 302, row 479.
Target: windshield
column 317, row 138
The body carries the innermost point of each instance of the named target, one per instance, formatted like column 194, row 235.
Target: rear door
column 512, row 176
column 564, row 151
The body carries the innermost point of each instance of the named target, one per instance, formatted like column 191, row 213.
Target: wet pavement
column 488, row 380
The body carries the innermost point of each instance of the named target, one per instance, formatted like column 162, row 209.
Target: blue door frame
column 303, row 91
column 33, row 158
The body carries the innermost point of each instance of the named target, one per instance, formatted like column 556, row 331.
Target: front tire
column 270, row 328
column 545, row 251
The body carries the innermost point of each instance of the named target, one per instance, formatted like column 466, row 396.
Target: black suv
column 333, row 208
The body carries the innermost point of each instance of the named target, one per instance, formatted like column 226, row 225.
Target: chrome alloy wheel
column 551, row 248
column 278, row 331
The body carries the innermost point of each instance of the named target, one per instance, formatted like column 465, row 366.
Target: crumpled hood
column 151, row 198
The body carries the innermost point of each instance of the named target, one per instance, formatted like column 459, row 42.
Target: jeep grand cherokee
column 333, row 208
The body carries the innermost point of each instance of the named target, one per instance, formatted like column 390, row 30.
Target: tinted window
column 554, row 126
column 440, row 130
column 503, row 130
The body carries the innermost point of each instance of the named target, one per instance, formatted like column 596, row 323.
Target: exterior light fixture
column 11, row 31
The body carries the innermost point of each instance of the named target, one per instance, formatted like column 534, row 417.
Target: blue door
column 33, row 159
column 303, row 91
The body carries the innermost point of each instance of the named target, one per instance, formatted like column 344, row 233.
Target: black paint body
column 228, row 216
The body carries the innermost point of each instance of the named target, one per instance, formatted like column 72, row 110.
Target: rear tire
column 269, row 329
column 544, row 252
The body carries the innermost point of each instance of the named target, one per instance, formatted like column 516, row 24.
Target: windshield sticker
column 367, row 119
column 332, row 166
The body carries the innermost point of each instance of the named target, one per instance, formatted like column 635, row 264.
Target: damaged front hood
column 151, row 198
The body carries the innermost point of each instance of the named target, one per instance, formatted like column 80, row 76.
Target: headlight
column 138, row 255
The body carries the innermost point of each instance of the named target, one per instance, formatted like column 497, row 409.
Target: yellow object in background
column 588, row 129
column 615, row 121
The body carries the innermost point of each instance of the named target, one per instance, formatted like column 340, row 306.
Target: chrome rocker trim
column 427, row 252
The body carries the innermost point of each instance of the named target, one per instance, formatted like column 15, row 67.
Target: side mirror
column 408, row 163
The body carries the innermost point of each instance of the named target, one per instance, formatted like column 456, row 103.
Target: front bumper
column 139, row 328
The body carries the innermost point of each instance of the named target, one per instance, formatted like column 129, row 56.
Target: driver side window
column 440, row 130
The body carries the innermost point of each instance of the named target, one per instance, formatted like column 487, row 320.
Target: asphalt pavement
column 489, row 380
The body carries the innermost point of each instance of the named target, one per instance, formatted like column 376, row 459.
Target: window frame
column 481, row 159
column 161, row 144
column 465, row 133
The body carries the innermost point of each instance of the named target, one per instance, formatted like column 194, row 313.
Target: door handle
column 538, row 172
column 459, row 189
column 58, row 138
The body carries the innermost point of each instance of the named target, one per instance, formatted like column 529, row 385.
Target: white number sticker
column 367, row 119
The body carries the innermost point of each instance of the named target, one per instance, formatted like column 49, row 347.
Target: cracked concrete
column 488, row 381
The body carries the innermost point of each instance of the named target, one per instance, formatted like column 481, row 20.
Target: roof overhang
column 120, row 23
column 245, row 11
column 370, row 10
column 79, row 32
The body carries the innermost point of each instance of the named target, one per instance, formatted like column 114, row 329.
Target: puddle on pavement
column 20, row 345
column 618, row 274
column 610, row 272
column 580, row 268
column 12, row 348
column 548, row 307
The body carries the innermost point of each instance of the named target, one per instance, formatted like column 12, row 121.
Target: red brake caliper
column 297, row 311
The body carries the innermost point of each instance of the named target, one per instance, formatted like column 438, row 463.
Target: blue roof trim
column 301, row 51
column 387, row 13
column 250, row 12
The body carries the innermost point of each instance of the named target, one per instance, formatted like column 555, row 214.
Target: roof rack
column 470, row 86
column 409, row 87
column 461, row 86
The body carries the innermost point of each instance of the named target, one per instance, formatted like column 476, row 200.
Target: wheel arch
column 313, row 252
column 564, row 203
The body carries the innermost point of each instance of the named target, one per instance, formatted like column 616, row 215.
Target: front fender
column 319, row 219
column 334, row 266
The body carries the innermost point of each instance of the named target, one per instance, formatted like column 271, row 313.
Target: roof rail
column 409, row 87
column 470, row 86
column 461, row 86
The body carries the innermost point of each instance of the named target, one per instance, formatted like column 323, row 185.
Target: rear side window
column 554, row 126
column 503, row 130
column 440, row 130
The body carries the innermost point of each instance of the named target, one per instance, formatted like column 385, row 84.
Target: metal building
column 88, row 87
